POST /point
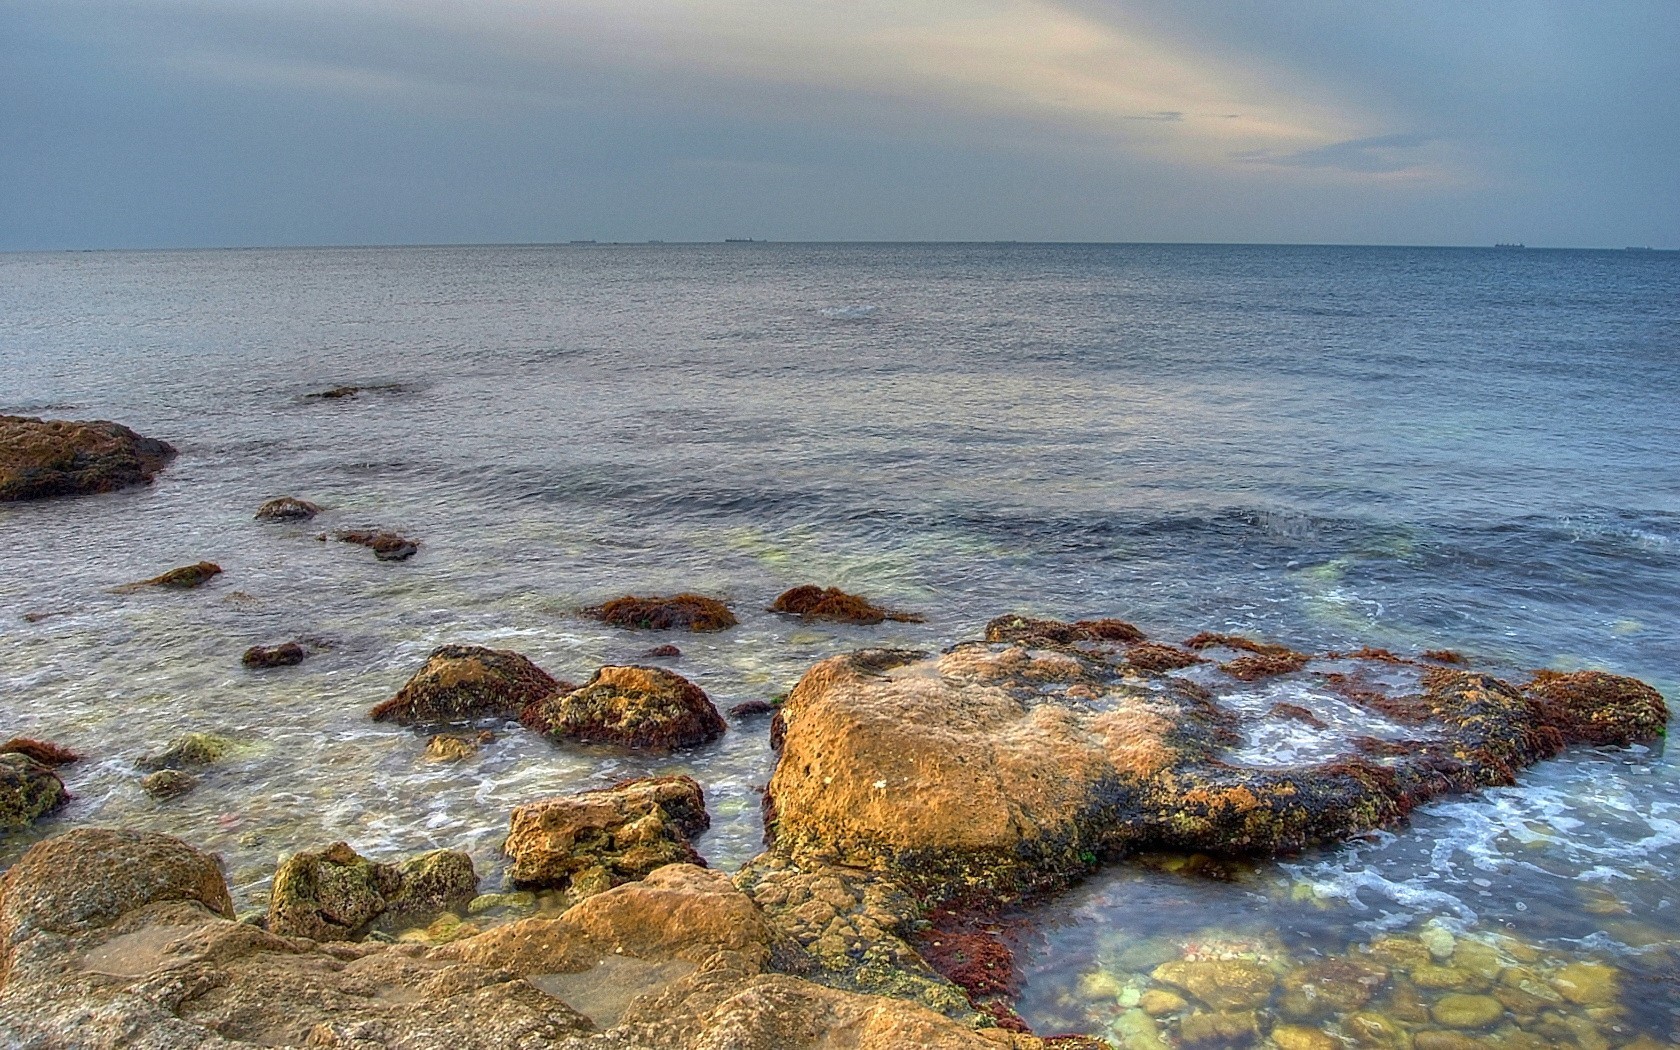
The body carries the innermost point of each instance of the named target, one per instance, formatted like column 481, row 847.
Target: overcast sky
column 130, row 123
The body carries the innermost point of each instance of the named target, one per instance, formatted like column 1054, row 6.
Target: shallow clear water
column 1325, row 446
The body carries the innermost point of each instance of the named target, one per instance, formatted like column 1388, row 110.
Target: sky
column 178, row 123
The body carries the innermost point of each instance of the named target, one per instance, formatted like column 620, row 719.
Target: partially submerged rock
column 998, row 769
column 595, row 840
column 336, row 893
column 187, row 751
column 29, row 790
column 752, row 709
column 287, row 508
column 632, row 707
column 42, row 751
column 385, row 544
column 817, row 603
column 451, row 747
column 168, row 783
column 41, row 458
column 1598, row 708
column 687, row 612
column 1026, row 629
column 185, row 578
column 286, row 654
column 459, row 683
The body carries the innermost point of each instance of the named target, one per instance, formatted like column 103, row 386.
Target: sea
column 1412, row 448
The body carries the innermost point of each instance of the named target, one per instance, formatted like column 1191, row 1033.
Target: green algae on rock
column 595, row 840
column 644, row 707
column 186, row 751
column 687, row 612
column 41, row 458
column 336, row 893
column 168, row 783
column 459, row 683
column 185, row 578
column 29, row 790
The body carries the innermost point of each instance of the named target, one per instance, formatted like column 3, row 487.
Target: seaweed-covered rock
column 1153, row 656
column 43, row 751
column 168, row 783
column 998, row 769
column 594, row 840
column 1592, row 707
column 687, row 612
column 818, row 603
column 452, row 747
column 1014, row 628
column 41, row 458
column 459, row 683
column 630, row 706
column 286, row 654
column 187, row 751
column 287, row 508
column 29, row 790
column 336, row 893
column 185, row 578
column 385, row 544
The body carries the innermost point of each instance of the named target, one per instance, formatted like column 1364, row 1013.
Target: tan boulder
column 594, row 840
column 459, row 683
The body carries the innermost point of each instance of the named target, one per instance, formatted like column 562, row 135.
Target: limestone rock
column 459, row 683
column 1224, row 984
column 688, row 612
column 287, row 508
column 335, row 893
column 594, row 840
column 632, row 707
column 41, row 458
column 29, row 790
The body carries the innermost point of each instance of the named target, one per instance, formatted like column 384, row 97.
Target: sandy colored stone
column 644, row 707
column 1587, row 983
column 594, row 840
column 1297, row 1037
column 1224, row 984
column 1459, row 1010
column 1157, row 1002
column 1219, row 1028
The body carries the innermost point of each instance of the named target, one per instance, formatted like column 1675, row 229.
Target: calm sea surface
column 1330, row 447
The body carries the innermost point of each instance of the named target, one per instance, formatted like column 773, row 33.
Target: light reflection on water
column 1328, row 447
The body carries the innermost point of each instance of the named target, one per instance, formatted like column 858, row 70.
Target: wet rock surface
column 594, row 840
column 685, row 612
column 286, row 654
column 385, row 544
column 41, row 458
column 831, row 603
column 168, row 783
column 187, row 751
column 642, row 707
column 29, row 790
column 996, row 769
column 185, row 578
column 287, row 508
column 459, row 683
column 335, row 893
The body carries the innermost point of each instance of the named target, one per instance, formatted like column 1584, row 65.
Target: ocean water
column 1330, row 447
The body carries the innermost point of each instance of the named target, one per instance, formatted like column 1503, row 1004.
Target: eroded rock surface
column 595, row 840
column 459, row 683
column 29, row 790
column 335, row 893
column 646, row 707
column 1001, row 768
column 52, row 457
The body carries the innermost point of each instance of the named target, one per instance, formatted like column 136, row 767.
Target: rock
column 29, row 790
column 594, row 840
column 662, row 652
column 446, row 747
column 1438, row 940
column 335, row 893
column 186, row 751
column 816, row 603
column 688, row 612
column 386, row 545
column 1295, row 1037
column 287, row 654
column 632, row 707
column 1587, row 983
column 287, row 508
column 167, row 783
column 459, row 683
column 1221, row 1028
column 1592, row 707
column 1256, row 666
column 1158, row 1002
column 1459, row 1010
column 1445, row 656
column 1054, row 632
column 1333, row 986
column 185, row 578
column 1224, row 984
column 1435, row 1039
column 1151, row 656
column 337, row 393
column 42, row 751
column 752, row 709
column 998, row 769
column 41, row 458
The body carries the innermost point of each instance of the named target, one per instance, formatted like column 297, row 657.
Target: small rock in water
column 42, row 751
column 40, row 458
column 446, row 747
column 459, row 683
column 632, row 707
column 287, row 508
column 386, row 545
column 817, row 603
column 1459, row 1010
column 662, row 652
column 168, row 783
column 336, row 393
column 28, row 791
column 1027, row 630
column 186, row 751
column 284, row 655
column 689, row 612
column 184, row 578
column 1592, row 707
column 752, row 709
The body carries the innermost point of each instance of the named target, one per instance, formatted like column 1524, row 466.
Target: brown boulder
column 29, row 790
column 632, row 707
column 594, row 840
column 688, row 612
column 287, row 508
column 41, row 458
column 185, row 578
column 1592, row 707
column 817, row 603
column 385, row 545
column 286, row 654
column 1030, row 631
column 459, row 683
